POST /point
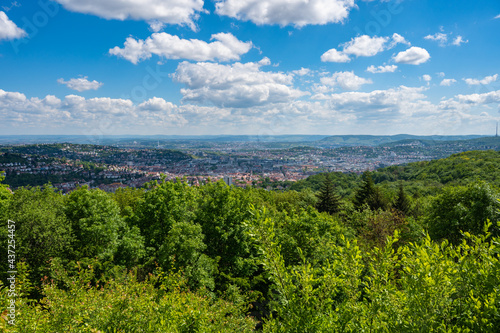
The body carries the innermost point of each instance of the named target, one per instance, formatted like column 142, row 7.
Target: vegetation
column 401, row 249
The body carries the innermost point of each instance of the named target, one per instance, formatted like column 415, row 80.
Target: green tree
column 402, row 203
column 328, row 200
column 222, row 211
column 369, row 194
column 463, row 208
column 365, row 192
column 42, row 230
column 161, row 206
column 100, row 231
column 5, row 196
column 183, row 250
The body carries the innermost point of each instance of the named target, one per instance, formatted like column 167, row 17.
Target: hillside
column 423, row 177
column 375, row 140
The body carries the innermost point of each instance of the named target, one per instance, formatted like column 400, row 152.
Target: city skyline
column 268, row 67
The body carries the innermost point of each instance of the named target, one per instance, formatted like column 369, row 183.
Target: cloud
column 442, row 39
column 426, row 77
column 391, row 111
column 300, row 72
column 497, row 17
column 447, row 82
column 225, row 47
column 413, row 56
column 485, row 81
column 363, row 46
column 345, row 80
column 382, row 69
column 91, row 117
column 286, row 12
column 459, row 40
column 439, row 37
column 333, row 55
column 381, row 105
column 237, row 85
column 8, row 29
column 166, row 11
column 81, row 84
column 398, row 39
column 486, row 98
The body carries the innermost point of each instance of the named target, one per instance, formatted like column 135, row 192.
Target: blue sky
column 262, row 67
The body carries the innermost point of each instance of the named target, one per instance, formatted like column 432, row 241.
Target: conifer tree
column 328, row 200
column 365, row 192
column 402, row 202
column 369, row 194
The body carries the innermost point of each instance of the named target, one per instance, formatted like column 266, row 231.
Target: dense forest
column 411, row 248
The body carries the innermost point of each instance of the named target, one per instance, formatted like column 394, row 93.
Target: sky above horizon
column 259, row 67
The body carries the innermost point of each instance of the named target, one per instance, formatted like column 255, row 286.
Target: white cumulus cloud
column 183, row 12
column 286, row 12
column 300, row 72
column 382, row 69
column 224, row 47
column 426, row 77
column 345, row 80
column 486, row 98
column 486, row 80
column 363, row 46
column 333, row 55
column 447, row 82
column 81, row 84
column 8, row 29
column 413, row 56
column 238, row 85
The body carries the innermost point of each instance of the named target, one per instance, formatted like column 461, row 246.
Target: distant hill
column 375, row 140
column 153, row 140
column 425, row 177
column 487, row 142
column 459, row 168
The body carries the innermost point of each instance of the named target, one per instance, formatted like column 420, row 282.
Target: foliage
column 402, row 203
column 221, row 212
column 161, row 303
column 41, row 230
column 99, row 229
column 328, row 200
column 463, row 208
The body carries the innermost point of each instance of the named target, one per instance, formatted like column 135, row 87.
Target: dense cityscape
column 242, row 164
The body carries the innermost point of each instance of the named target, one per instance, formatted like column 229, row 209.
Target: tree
column 329, row 201
column 402, row 203
column 222, row 211
column 42, row 231
column 463, row 208
column 365, row 192
column 100, row 231
column 5, row 196
column 163, row 205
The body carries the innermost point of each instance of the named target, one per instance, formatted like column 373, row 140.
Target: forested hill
column 374, row 140
column 458, row 169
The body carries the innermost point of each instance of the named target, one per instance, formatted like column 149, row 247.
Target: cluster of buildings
column 110, row 169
